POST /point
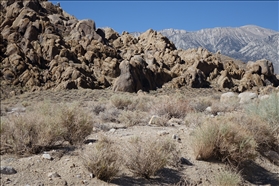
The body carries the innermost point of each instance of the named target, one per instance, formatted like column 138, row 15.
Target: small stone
column 7, row 170
column 162, row 133
column 53, row 175
column 112, row 130
column 47, row 156
column 84, row 182
column 78, row 176
column 272, row 156
column 91, row 175
column 208, row 109
column 185, row 161
column 72, row 166
column 174, row 136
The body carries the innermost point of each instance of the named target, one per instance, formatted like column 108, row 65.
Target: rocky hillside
column 246, row 43
column 43, row 47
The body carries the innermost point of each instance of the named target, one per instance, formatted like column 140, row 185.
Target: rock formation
column 42, row 47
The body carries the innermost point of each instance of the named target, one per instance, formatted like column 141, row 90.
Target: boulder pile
column 43, row 47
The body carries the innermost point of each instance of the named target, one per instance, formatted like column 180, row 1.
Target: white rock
column 112, row 130
column 7, row 170
column 246, row 97
column 208, row 110
column 228, row 97
column 263, row 97
column 47, row 156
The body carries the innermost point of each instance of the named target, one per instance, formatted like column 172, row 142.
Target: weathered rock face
column 43, row 47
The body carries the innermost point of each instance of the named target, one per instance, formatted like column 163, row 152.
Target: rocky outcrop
column 43, row 47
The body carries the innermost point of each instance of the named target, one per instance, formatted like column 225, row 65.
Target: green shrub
column 267, row 110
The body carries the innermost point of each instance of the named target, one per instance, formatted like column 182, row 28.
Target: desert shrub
column 75, row 124
column 226, row 141
column 172, row 107
column 103, row 160
column 195, row 119
column 111, row 114
column 141, row 103
column 130, row 118
column 223, row 107
column 262, row 133
column 200, row 105
column 98, row 107
column 43, row 128
column 267, row 110
column 121, row 101
column 227, row 178
column 145, row 158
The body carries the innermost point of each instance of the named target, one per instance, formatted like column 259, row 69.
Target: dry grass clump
column 227, row 178
column 217, row 107
column 261, row 131
column 141, row 103
column 110, row 114
column 195, row 119
column 200, row 105
column 172, row 107
column 121, row 101
column 48, row 125
column 130, row 118
column 145, row 157
column 224, row 140
column 103, row 160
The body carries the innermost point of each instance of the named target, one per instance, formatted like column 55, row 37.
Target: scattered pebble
column 84, row 182
column 53, row 175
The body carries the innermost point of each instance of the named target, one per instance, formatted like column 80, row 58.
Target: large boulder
column 134, row 76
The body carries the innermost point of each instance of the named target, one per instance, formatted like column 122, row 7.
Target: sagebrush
column 145, row 158
column 44, row 127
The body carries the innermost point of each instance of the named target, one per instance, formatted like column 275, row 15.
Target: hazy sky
column 187, row 15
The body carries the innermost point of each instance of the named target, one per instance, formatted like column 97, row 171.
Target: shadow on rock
column 258, row 175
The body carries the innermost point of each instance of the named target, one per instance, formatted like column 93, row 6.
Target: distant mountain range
column 246, row 43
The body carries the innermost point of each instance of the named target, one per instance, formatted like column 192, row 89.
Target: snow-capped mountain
column 246, row 43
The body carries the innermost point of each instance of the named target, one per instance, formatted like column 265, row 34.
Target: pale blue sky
column 187, row 15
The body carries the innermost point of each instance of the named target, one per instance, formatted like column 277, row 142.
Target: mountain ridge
column 245, row 43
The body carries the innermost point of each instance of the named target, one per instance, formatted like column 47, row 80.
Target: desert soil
column 35, row 170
